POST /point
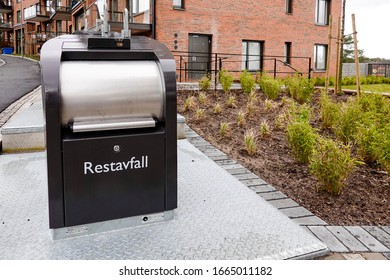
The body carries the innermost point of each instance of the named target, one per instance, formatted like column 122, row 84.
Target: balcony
column 138, row 24
column 5, row 26
column 4, row 43
column 61, row 13
column 41, row 37
column 6, row 6
column 37, row 13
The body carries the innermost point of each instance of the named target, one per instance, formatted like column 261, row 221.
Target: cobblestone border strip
column 371, row 242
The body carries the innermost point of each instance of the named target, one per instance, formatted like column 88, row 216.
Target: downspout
column 154, row 19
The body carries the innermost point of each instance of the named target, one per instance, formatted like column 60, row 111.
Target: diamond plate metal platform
column 217, row 218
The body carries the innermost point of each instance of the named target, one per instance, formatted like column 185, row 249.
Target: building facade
column 287, row 35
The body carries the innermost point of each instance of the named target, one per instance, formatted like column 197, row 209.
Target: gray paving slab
column 246, row 176
column 205, row 148
column 283, row 203
column 367, row 239
column 214, row 152
column 347, row 239
column 373, row 256
column 208, row 224
column 237, row 171
column 381, row 235
column 226, row 162
column 217, row 158
column 386, row 229
column 262, row 188
column 328, row 238
column 310, row 221
column 296, row 212
column 232, row 166
column 353, row 257
column 387, row 255
column 272, row 195
column 210, row 150
column 254, row 182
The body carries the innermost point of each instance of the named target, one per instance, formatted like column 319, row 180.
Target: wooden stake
column 338, row 59
column 356, row 56
column 328, row 55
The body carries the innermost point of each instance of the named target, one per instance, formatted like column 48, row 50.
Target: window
column 251, row 55
column 289, row 6
column 320, row 53
column 140, row 6
column 322, row 12
column 18, row 17
column 179, row 4
column 59, row 27
column 287, row 52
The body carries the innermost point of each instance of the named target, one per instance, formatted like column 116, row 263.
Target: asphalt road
column 18, row 76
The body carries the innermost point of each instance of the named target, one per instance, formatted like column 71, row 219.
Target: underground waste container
column 110, row 111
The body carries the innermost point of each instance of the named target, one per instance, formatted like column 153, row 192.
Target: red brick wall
column 231, row 21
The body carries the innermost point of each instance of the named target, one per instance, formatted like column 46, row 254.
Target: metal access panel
column 113, row 176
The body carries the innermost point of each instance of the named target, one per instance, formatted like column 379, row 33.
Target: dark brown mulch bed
column 365, row 200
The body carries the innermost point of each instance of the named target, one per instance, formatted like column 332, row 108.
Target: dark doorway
column 199, row 55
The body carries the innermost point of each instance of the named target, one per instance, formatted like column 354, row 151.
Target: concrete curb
column 19, row 104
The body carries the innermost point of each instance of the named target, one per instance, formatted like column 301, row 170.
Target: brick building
column 290, row 35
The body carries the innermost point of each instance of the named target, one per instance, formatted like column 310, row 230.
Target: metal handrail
column 233, row 62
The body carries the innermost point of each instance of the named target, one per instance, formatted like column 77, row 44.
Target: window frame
column 179, row 7
column 316, row 46
column 289, row 6
column 19, row 16
column 287, row 52
column 322, row 19
column 246, row 60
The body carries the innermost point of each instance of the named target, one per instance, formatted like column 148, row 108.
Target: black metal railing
column 6, row 4
column 41, row 37
column 61, row 9
column 5, row 24
column 191, row 66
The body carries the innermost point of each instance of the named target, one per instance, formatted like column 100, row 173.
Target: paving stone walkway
column 345, row 242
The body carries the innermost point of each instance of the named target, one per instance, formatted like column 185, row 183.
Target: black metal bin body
column 103, row 162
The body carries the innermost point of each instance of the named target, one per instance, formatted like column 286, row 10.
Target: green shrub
column 367, row 138
column 250, row 142
column 302, row 139
column 205, row 82
column 264, row 129
column 271, row 88
column 346, row 124
column 223, row 129
column 319, row 82
column 331, row 163
column 303, row 113
column 381, row 148
column 189, row 104
column 329, row 111
column 368, row 80
column 226, row 80
column 299, row 88
column 247, row 82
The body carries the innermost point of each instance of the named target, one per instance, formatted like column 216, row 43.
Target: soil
column 365, row 199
